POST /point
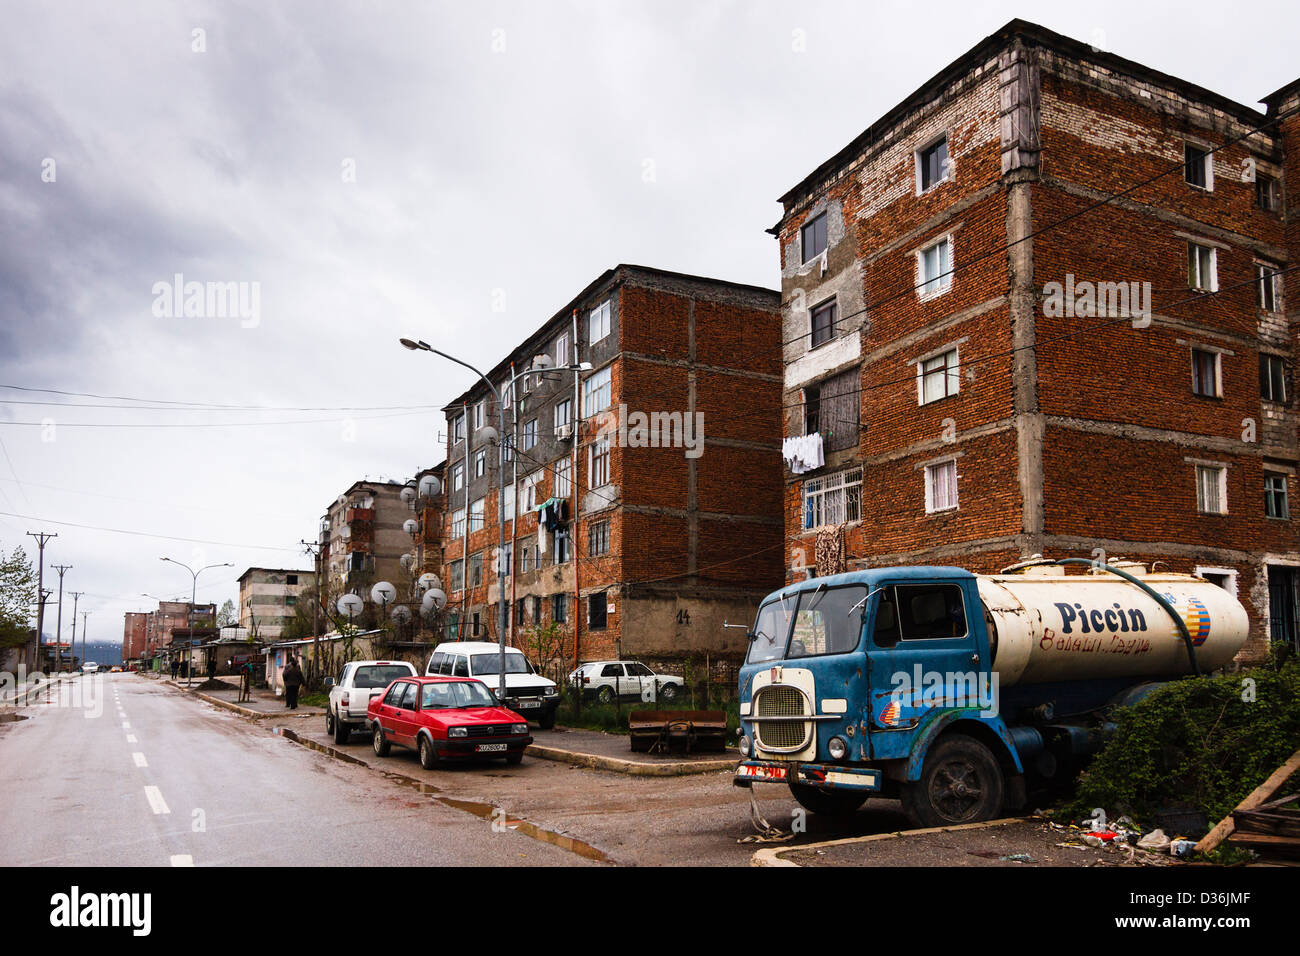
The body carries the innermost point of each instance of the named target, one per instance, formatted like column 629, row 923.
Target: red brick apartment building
column 643, row 507
column 973, row 409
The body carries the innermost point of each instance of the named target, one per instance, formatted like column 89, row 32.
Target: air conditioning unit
column 564, row 432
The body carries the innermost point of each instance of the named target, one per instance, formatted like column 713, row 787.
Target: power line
column 185, row 406
column 143, row 534
column 300, row 421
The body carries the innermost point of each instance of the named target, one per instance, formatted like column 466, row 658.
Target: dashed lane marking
column 139, row 759
column 182, row 859
column 156, row 801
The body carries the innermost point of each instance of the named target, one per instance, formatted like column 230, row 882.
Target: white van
column 527, row 692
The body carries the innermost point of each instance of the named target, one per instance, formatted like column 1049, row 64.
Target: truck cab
column 850, row 679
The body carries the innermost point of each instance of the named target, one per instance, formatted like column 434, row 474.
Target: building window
column 476, row 569
column 559, row 608
column 823, row 323
column 562, row 350
column 458, row 523
column 505, row 392
column 508, row 513
column 1266, row 277
column 1275, row 504
column 1212, row 489
column 1202, row 268
column 457, row 477
column 530, row 434
column 508, row 448
column 525, row 560
column 1205, row 373
column 812, row 409
column 458, row 428
column 935, row 264
column 1266, row 192
column 1272, row 378
column 291, row 579
column 530, row 490
column 938, row 377
column 480, row 464
column 598, row 323
column 563, row 415
column 932, row 164
column 833, row 499
column 598, row 539
column 597, row 611
column 598, row 463
column 941, row 486
column 813, row 238
column 563, row 478
column 537, row 609
column 596, row 391
column 457, row 575
column 1198, row 170
column 562, row 546
column 476, row 508
column 504, row 560
column 479, row 410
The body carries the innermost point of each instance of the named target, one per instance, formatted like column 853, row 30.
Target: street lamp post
column 194, row 591
column 416, row 345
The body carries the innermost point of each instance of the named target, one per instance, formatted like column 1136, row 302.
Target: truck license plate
column 491, row 748
column 530, row 703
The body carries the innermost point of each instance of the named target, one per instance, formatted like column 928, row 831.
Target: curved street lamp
column 194, row 589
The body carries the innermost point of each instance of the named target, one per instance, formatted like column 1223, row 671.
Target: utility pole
column 41, row 537
column 314, row 551
column 72, row 641
column 84, row 624
column 58, row 633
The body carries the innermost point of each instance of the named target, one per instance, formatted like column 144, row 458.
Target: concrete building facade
column 268, row 599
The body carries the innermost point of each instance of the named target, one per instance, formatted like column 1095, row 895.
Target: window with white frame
column 528, row 499
column 1275, row 502
column 934, row 264
column 597, row 391
column 457, row 582
column 476, row 511
column 1207, row 373
column 503, row 559
column 563, row 414
column 1272, row 378
column 530, row 434
column 457, row 477
column 508, row 513
column 505, row 392
column 1266, row 192
column 1212, row 489
column 458, row 428
column 562, row 548
column 458, row 523
column 480, row 409
column 563, row 477
column 832, row 499
column 475, row 569
column 932, row 164
column 525, row 558
column 1266, row 277
column 598, row 463
column 598, row 323
column 480, row 463
column 938, row 377
column 1198, row 168
column 941, row 486
column 1202, row 267
column 563, row 355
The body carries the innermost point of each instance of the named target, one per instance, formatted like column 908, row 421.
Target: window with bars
column 941, row 486
column 598, row 463
column 598, row 539
column 938, row 377
column 832, row 499
column 1212, row 489
column 1275, row 503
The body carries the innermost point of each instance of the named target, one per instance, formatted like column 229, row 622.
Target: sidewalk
column 263, row 703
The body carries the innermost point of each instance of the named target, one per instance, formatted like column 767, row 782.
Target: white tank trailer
column 1046, row 626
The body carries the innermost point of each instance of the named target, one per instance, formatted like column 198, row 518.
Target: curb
column 632, row 767
column 22, row 697
column 772, row 856
column 242, row 711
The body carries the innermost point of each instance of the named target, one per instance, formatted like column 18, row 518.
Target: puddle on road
column 484, row 811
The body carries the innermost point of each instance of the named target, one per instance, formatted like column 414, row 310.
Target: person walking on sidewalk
column 246, row 682
column 293, row 680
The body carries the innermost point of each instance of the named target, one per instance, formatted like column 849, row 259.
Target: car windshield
column 516, row 663
column 465, row 693
column 379, row 675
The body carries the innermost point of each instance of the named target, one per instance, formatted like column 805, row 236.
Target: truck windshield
column 379, row 675
column 516, row 663
column 825, row 621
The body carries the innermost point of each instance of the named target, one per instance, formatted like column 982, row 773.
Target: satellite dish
column 434, row 600
column 350, row 604
column 488, row 434
column 345, row 532
column 408, row 492
column 383, row 593
column 341, row 500
column 401, row 614
column 410, row 526
column 430, row 486
column 407, row 561
column 427, row 580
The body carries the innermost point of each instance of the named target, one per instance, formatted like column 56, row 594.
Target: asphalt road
column 117, row 770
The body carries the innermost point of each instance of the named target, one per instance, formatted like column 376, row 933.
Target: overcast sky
column 455, row 172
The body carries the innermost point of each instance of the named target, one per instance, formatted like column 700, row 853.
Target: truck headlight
column 551, row 691
column 746, row 746
column 519, row 728
column 837, row 748
column 458, row 732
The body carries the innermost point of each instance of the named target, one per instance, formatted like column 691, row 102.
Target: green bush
column 1198, row 743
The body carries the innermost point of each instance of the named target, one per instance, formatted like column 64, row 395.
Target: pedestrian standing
column 176, row 667
column 246, row 681
column 212, row 667
column 292, row 682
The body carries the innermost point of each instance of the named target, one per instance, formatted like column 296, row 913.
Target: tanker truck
column 950, row 690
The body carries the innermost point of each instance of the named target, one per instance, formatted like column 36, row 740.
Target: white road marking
column 130, row 739
column 182, row 859
column 156, row 801
column 126, row 725
column 139, row 759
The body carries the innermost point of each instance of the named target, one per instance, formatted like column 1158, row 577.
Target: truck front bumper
column 823, row 775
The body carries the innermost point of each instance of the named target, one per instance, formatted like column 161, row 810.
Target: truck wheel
column 606, row 695
column 961, row 782
column 428, row 756
column 329, row 723
column 668, row 691
column 828, row 803
column 547, row 721
column 382, row 746
column 341, row 732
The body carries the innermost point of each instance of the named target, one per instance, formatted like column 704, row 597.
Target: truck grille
column 781, row 700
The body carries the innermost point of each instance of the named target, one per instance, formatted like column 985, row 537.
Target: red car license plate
column 490, row 748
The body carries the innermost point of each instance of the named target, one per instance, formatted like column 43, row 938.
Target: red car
column 446, row 718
